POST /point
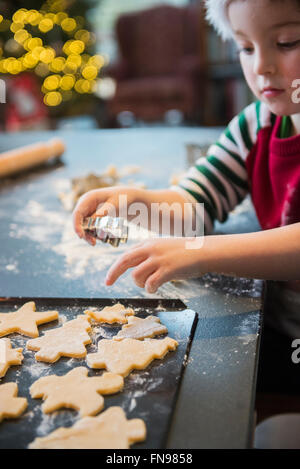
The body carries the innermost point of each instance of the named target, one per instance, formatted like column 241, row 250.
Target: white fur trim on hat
column 217, row 16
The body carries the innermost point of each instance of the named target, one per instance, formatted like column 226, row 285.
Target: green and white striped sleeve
column 220, row 180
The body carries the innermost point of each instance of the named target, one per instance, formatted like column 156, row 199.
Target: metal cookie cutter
column 107, row 229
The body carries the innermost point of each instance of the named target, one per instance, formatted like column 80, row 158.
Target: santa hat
column 217, row 16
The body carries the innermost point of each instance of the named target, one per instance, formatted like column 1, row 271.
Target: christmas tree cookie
column 111, row 314
column 123, row 356
column 76, row 390
column 109, row 430
column 138, row 328
column 66, row 341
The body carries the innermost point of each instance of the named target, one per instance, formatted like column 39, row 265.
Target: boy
column 258, row 152
column 270, row 57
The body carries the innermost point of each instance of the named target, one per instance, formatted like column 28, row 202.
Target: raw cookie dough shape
column 76, row 390
column 109, row 430
column 66, row 341
column 11, row 406
column 111, row 314
column 138, row 328
column 8, row 356
column 123, row 356
column 25, row 320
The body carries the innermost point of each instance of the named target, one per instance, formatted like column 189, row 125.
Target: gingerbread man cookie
column 123, row 356
column 138, row 328
column 76, row 390
column 11, row 406
column 66, row 341
column 25, row 320
column 111, row 314
column 109, row 430
column 8, row 356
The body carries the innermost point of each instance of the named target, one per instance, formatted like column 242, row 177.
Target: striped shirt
column 248, row 157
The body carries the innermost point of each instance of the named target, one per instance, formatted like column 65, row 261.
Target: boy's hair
column 217, row 16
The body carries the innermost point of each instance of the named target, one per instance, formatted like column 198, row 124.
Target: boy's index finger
column 125, row 262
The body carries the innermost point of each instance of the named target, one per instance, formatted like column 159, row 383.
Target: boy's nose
column 264, row 64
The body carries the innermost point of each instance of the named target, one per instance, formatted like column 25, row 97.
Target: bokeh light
column 34, row 43
column 45, row 25
column 14, row 27
column 53, row 98
column 42, row 70
column 67, row 82
column 68, row 24
column 34, row 17
column 77, row 47
column 47, row 55
column 89, row 72
column 57, row 64
column 21, row 36
column 29, row 61
column 52, row 82
column 19, row 16
column 64, row 67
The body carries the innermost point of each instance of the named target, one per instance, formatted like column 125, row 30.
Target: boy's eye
column 288, row 45
column 246, row 50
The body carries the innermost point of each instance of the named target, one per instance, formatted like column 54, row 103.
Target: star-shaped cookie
column 109, row 430
column 117, row 313
column 8, row 356
column 76, row 390
column 123, row 356
column 66, row 341
column 138, row 328
column 25, row 320
column 11, row 406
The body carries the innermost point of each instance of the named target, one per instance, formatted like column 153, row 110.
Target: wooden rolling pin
column 17, row 160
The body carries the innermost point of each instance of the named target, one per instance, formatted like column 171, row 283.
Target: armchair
column 161, row 65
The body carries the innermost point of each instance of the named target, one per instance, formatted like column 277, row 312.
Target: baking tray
column 149, row 394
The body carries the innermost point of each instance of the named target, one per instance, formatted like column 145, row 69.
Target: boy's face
column 268, row 37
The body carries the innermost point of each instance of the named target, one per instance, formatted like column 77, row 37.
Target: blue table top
column 42, row 257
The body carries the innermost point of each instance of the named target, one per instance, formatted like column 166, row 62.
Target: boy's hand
column 89, row 205
column 158, row 261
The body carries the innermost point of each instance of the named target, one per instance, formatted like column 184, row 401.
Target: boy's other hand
column 158, row 261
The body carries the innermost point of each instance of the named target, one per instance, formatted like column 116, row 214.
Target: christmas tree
column 53, row 40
